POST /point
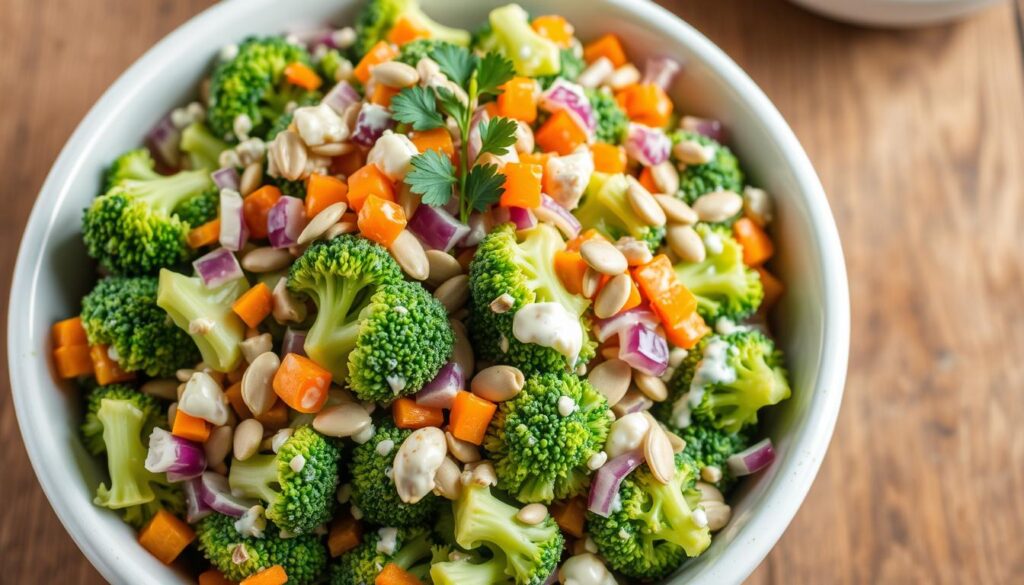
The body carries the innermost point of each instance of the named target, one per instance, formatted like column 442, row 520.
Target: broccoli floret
column 373, row 490
column 531, row 551
column 131, row 228
column 471, row 570
column 525, row 270
column 329, row 63
column 385, row 336
column 377, row 18
column 202, row 147
column 121, row 312
column 726, row 380
column 653, row 530
column 137, row 165
column 253, row 84
column 571, row 64
column 611, row 120
column 511, row 35
column 186, row 299
column 412, row 552
column 201, row 208
column 711, row 447
column 723, row 284
column 92, row 428
column 411, row 53
column 539, row 454
column 297, row 500
column 295, row 188
column 303, row 556
column 722, row 172
column 606, row 208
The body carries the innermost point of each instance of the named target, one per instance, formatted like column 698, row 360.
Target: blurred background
column 918, row 136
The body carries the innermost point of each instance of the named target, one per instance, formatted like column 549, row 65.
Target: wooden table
column 919, row 139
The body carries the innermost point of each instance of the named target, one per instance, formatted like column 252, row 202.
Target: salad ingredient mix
column 401, row 303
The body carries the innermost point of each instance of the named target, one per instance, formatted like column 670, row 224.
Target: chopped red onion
column 195, row 508
column 285, row 221
column 341, row 96
column 645, row 350
column 371, row 123
column 661, row 71
column 604, row 487
column 477, row 231
column 233, row 231
column 440, row 392
column 649, row 146
column 215, row 493
column 548, row 202
column 177, row 456
column 752, row 459
column 226, row 178
column 522, row 217
column 218, row 267
column 437, row 228
column 293, row 342
column 568, row 96
column 711, row 128
column 163, row 140
column 606, row 328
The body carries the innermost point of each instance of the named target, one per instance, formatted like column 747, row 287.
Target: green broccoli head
column 202, row 147
column 511, row 35
column 135, row 165
column 303, row 556
column 132, row 229
column 523, row 268
column 531, row 551
column 253, row 84
column 411, row 550
column 186, row 299
column 471, row 569
column 200, row 208
column 726, row 380
column 723, row 284
column 297, row 483
column 571, row 64
column 411, row 53
column 121, row 312
column 711, row 447
column 611, row 120
column 385, row 336
column 653, row 529
column 92, row 428
column 606, row 208
column 538, row 453
column 377, row 18
column 373, row 490
column 295, row 188
column 722, row 172
column 329, row 64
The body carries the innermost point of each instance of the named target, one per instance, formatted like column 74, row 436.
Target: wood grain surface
column 918, row 137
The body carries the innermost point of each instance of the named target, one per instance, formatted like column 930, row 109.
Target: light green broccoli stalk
column 373, row 490
column 186, row 299
column 303, row 557
column 378, row 17
column 606, row 208
column 723, row 284
column 471, row 569
column 92, row 428
column 202, row 147
column 511, row 35
column 136, row 165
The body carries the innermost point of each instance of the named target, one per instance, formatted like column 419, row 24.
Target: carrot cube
column 647, row 180
column 608, row 158
column 382, row 95
column 165, row 536
column 190, row 427
column 204, row 235
column 773, row 288
column 301, row 75
column 69, row 332
column 322, row 191
column 301, row 383
column 274, row 575
column 234, row 396
column 670, row 299
column 213, row 577
column 275, row 418
column 438, row 139
column 569, row 515
column 255, row 208
column 646, row 103
column 392, row 574
column 688, row 332
column 522, row 185
column 344, row 535
column 560, row 133
column 106, row 370
column 381, row 220
column 570, row 268
column 409, row 415
column 406, row 31
column 757, row 245
column 378, row 54
column 519, row 99
column 470, row 416
column 254, row 305
column 554, row 28
column 368, row 181
column 72, row 361
column 607, row 46
column 348, row 163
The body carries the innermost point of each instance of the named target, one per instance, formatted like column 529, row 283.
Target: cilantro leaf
column 497, row 134
column 455, row 62
column 417, row 106
column 494, row 70
column 432, row 176
column 484, row 186
column 451, row 103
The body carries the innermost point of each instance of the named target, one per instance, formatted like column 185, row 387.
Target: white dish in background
column 895, row 13
column 53, row 271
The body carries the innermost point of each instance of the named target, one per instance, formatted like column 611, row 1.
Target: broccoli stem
column 202, row 147
column 129, row 481
column 166, row 193
column 412, row 551
column 336, row 329
column 681, row 529
column 255, row 478
column 480, row 517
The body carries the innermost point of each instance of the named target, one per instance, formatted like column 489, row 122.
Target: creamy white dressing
column 252, row 523
column 203, row 398
column 549, row 325
column 319, row 124
column 626, row 434
column 713, row 368
column 585, row 569
column 725, row 326
column 417, row 462
column 384, row 447
column 388, row 540
column 568, row 176
column 392, row 153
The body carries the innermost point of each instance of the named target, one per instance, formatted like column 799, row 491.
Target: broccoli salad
column 401, row 303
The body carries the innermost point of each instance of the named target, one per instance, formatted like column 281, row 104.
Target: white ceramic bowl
column 53, row 271
column 895, row 13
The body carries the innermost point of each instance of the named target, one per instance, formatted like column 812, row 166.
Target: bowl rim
column 794, row 474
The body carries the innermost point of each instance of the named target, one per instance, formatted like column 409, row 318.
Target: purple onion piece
column 218, row 267
column 215, row 493
column 565, row 95
column 522, row 217
column 162, row 141
column 440, row 392
column 661, row 71
column 649, row 146
column 371, row 123
column 437, row 228
column 293, row 342
column 180, row 458
column 606, row 328
column 226, row 178
column 341, row 96
column 752, row 459
column 233, row 231
column 645, row 350
column 711, row 128
column 570, row 221
column 285, row 221
column 606, row 481
column 195, row 508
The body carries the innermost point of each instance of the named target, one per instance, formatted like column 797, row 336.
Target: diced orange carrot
column 634, row 299
column 381, row 220
column 348, row 163
column 409, row 415
column 608, row 158
column 647, row 180
column 574, row 244
column 522, row 185
column 646, row 103
column 322, row 191
column 570, row 268
column 274, row 575
column 301, row 383
column 670, row 299
column 254, row 305
column 535, row 158
column 368, row 181
column 470, row 417
column 606, row 46
column 344, row 535
column 303, row 76
column 204, row 235
column 688, row 332
column 275, row 418
column 165, row 536
column 106, row 370
column 255, row 208
column 72, row 361
column 382, row 95
column 519, row 99
column 757, row 245
column 190, row 427
column 554, row 28
column 378, row 54
column 406, row 31
column 569, row 515
column 392, row 574
column 560, row 133
column 773, row 288
column 234, row 396
column 213, row 577
column 492, row 109
column 438, row 139
column 69, row 332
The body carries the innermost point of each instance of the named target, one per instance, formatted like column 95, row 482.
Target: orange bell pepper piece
column 368, row 181
column 519, row 99
column 322, row 191
column 757, row 245
column 69, row 332
column 607, row 46
column 378, row 54
column 647, row 180
column 688, row 332
column 608, row 158
column 570, row 268
column 438, row 139
column 470, row 416
column 560, row 133
column 406, row 31
column 554, row 28
column 301, row 75
column 773, row 288
column 522, row 185
column 381, row 220
column 646, row 103
column 670, row 299
column 72, row 361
